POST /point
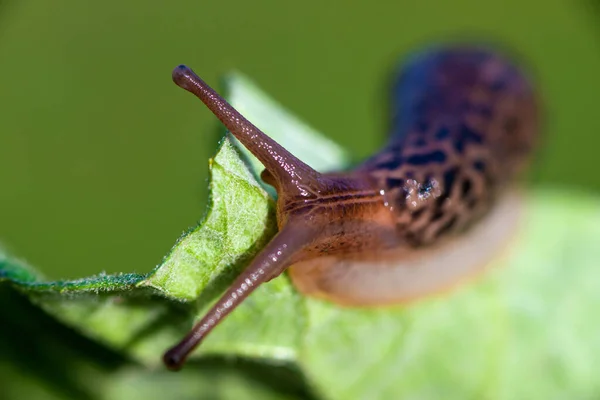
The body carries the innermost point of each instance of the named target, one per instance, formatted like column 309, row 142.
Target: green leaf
column 216, row 379
column 143, row 315
column 525, row 329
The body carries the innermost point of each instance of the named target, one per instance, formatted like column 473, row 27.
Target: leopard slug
column 431, row 208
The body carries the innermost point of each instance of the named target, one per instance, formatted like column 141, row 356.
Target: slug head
column 316, row 213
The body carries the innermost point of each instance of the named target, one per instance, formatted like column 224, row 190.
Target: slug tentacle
column 291, row 175
column 281, row 251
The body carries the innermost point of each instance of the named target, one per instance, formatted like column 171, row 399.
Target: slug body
column 431, row 208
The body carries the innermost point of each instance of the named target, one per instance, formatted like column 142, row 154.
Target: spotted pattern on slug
column 462, row 123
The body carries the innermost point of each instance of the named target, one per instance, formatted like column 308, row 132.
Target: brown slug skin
column 432, row 207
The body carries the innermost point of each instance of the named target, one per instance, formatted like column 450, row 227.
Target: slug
column 436, row 204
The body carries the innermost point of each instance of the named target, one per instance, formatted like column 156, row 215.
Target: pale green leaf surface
column 218, row 382
column 527, row 329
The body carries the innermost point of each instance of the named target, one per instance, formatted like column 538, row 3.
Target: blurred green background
column 103, row 160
